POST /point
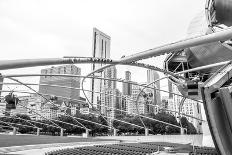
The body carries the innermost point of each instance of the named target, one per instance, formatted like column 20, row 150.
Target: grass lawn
column 18, row 140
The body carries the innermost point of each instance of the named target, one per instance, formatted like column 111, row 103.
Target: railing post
column 146, row 132
column 182, row 131
column 87, row 133
column 14, row 130
column 37, row 131
column 61, row 132
column 115, row 132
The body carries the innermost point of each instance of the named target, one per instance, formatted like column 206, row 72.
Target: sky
column 56, row 28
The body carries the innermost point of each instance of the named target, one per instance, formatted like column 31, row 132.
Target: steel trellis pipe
column 19, row 124
column 67, row 108
column 153, row 119
column 34, row 121
column 41, row 116
column 119, row 80
column 135, row 114
column 44, row 98
column 109, row 79
column 123, row 121
column 82, row 86
column 17, row 117
column 182, row 44
column 180, row 108
column 109, row 95
column 69, row 123
column 137, row 98
column 97, row 70
column 7, row 124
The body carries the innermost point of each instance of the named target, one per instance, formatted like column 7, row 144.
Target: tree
column 189, row 126
column 161, row 128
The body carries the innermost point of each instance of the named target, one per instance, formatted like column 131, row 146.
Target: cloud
column 57, row 28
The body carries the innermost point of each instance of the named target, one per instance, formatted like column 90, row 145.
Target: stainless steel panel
column 208, row 54
column 224, row 11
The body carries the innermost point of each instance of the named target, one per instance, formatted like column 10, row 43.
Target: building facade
column 151, row 77
column 127, row 87
column 2, row 108
column 144, row 101
column 190, row 107
column 101, row 49
column 49, row 111
column 110, row 101
column 64, row 88
column 34, row 107
column 1, row 81
column 110, row 73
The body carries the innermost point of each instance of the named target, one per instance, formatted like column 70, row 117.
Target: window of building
column 45, row 72
column 71, row 69
column 51, row 72
column 105, row 49
column 58, row 70
column 102, row 48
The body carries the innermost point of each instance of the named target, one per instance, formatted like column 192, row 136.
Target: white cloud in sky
column 57, row 28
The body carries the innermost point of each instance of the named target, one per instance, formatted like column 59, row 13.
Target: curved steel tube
column 7, row 123
column 121, row 121
column 17, row 117
column 41, row 116
column 45, row 99
column 68, row 75
column 137, row 98
column 182, row 44
column 33, row 126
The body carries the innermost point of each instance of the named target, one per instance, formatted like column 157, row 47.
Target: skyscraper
column 1, row 80
column 151, row 77
column 71, row 82
column 110, row 95
column 101, row 49
column 170, row 89
column 111, row 100
column 110, row 73
column 189, row 107
column 127, row 87
column 143, row 102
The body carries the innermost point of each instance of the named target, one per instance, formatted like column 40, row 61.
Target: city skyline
column 99, row 50
column 125, row 69
column 74, row 82
column 71, row 34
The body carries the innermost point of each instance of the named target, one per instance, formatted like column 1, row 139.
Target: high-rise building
column 170, row 89
column 1, row 81
column 127, row 87
column 69, row 86
column 143, row 102
column 190, row 107
column 111, row 99
column 101, row 49
column 110, row 73
column 34, row 106
column 151, row 77
column 49, row 111
column 110, row 96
